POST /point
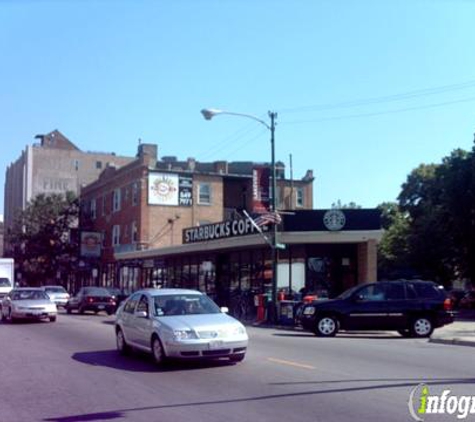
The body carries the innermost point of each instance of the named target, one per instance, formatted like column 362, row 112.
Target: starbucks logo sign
column 334, row 220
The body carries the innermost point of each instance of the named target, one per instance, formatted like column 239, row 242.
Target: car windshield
column 55, row 290
column 184, row 304
column 29, row 295
column 4, row 282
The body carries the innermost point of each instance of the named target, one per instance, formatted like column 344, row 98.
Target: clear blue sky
column 365, row 90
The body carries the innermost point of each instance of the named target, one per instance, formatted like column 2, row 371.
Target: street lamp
column 208, row 114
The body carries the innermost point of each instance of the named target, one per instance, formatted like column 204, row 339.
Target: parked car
column 95, row 299
column 178, row 323
column 413, row 308
column 28, row 302
column 58, row 294
column 468, row 301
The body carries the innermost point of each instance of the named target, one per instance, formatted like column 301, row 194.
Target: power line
column 379, row 113
column 387, row 98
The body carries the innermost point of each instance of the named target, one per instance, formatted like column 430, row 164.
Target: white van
column 6, row 276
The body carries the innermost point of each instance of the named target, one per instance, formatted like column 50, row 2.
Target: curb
column 453, row 342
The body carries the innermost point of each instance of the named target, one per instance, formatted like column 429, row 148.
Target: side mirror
column 141, row 314
column 224, row 309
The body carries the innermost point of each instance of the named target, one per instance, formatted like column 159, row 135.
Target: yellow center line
column 290, row 363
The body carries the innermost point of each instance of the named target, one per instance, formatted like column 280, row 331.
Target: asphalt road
column 69, row 371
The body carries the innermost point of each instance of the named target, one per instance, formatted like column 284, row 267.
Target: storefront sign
column 170, row 189
column 260, row 188
column 91, row 244
column 225, row 229
column 334, row 220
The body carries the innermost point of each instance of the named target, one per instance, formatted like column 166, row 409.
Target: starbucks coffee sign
column 334, row 220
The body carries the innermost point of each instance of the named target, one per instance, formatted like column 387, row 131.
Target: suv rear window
column 426, row 291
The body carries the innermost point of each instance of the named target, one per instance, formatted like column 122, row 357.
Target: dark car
column 118, row 294
column 412, row 308
column 94, row 299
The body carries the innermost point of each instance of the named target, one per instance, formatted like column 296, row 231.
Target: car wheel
column 237, row 358
column 52, row 318
column 122, row 345
column 68, row 309
column 405, row 333
column 157, row 350
column 4, row 317
column 421, row 327
column 81, row 310
column 327, row 326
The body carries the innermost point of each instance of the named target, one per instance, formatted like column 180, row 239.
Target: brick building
column 181, row 224
column 54, row 165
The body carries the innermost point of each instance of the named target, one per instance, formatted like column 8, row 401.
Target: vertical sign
column 260, row 188
column 185, row 191
column 91, row 244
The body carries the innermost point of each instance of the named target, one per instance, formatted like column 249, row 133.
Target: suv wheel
column 421, row 327
column 326, row 326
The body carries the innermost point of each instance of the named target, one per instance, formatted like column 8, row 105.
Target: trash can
column 286, row 312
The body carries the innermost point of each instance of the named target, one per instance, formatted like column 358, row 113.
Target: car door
column 75, row 300
column 127, row 318
column 398, row 308
column 143, row 322
column 367, row 308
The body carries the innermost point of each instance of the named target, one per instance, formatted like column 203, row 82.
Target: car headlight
column 238, row 330
column 184, row 335
column 309, row 310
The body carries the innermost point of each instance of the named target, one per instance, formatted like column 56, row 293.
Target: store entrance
column 330, row 269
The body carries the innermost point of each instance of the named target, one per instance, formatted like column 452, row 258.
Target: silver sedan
column 178, row 323
column 28, row 302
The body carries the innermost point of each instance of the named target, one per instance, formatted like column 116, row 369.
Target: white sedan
column 28, row 302
column 178, row 323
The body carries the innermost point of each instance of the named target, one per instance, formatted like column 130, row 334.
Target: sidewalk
column 461, row 332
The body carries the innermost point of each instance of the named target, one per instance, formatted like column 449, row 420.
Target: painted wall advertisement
column 91, row 244
column 260, row 188
column 170, row 189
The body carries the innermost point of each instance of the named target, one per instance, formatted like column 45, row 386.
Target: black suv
column 411, row 307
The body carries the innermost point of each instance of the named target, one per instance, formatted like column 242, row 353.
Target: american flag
column 268, row 218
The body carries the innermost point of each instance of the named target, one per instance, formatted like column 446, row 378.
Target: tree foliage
column 41, row 236
column 432, row 228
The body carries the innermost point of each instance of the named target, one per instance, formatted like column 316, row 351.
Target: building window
column 116, row 200
column 204, row 193
column 104, row 202
column 135, row 232
column 98, row 164
column 116, row 235
column 76, row 165
column 299, row 201
column 135, row 193
column 93, row 209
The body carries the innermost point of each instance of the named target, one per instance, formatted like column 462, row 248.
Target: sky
column 364, row 90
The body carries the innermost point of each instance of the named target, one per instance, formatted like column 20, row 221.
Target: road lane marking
column 290, row 363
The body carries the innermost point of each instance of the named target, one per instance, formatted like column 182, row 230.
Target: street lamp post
column 208, row 114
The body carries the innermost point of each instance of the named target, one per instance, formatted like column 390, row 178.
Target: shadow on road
column 347, row 335
column 377, row 384
column 141, row 362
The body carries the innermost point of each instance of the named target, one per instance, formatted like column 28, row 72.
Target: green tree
column 41, row 236
column 393, row 254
